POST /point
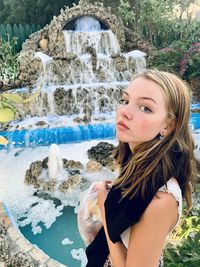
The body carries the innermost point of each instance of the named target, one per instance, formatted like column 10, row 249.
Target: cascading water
column 97, row 50
column 88, row 33
column 46, row 60
column 87, row 23
column 103, row 42
column 94, row 69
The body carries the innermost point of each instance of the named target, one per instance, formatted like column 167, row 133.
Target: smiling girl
column 157, row 171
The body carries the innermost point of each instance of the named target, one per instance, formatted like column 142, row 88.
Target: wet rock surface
column 81, row 102
column 74, row 172
column 73, row 69
column 94, row 166
column 102, row 153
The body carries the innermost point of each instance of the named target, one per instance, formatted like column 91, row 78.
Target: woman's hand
column 104, row 188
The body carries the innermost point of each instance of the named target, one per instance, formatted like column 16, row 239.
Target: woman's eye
column 123, row 101
column 145, row 109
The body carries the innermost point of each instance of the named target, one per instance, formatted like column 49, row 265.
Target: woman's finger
column 108, row 181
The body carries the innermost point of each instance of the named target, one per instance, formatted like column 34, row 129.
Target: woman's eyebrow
column 141, row 97
column 126, row 93
column 148, row 98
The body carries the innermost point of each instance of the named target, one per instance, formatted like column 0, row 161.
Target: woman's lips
column 122, row 126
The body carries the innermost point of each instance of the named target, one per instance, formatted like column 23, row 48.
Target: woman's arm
column 147, row 236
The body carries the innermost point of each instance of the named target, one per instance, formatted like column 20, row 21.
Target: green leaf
column 6, row 115
column 13, row 98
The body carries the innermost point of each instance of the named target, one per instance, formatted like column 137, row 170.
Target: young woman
column 157, row 163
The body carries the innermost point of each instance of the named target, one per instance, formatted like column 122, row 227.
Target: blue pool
column 50, row 241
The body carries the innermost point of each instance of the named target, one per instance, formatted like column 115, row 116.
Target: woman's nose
column 126, row 113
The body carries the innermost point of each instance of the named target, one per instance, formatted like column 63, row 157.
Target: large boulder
column 102, row 153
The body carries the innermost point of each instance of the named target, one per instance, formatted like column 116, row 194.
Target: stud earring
column 161, row 137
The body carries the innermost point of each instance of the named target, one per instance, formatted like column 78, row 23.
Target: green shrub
column 181, row 57
column 158, row 22
column 9, row 66
column 186, row 252
column 183, row 249
column 185, row 255
column 190, row 62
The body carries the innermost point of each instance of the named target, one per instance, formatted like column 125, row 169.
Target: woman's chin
column 122, row 138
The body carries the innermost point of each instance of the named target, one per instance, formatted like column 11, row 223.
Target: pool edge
column 19, row 244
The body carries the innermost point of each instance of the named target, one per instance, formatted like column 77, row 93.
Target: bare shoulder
column 149, row 234
column 164, row 199
column 164, row 207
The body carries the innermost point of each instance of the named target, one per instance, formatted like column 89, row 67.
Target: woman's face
column 142, row 114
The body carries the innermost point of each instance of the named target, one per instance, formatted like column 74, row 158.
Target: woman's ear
column 168, row 129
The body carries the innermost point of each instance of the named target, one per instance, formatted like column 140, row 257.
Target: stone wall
column 133, row 41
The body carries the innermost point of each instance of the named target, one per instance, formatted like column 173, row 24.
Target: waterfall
column 103, row 42
column 46, row 60
column 139, row 57
column 50, row 99
column 92, row 72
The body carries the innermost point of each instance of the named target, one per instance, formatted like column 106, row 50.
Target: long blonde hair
column 162, row 159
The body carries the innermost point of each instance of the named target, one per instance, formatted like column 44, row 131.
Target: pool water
column 195, row 121
column 50, row 241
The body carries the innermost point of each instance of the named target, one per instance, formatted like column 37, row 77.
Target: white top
column 173, row 188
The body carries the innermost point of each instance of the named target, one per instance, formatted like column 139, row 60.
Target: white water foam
column 79, row 254
column 196, row 136
column 67, row 241
column 44, row 58
column 55, row 163
column 103, row 42
column 87, row 23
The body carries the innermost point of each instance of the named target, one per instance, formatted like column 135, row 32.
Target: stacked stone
column 47, row 186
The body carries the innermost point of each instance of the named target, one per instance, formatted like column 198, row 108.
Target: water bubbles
column 34, row 216
column 79, row 254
